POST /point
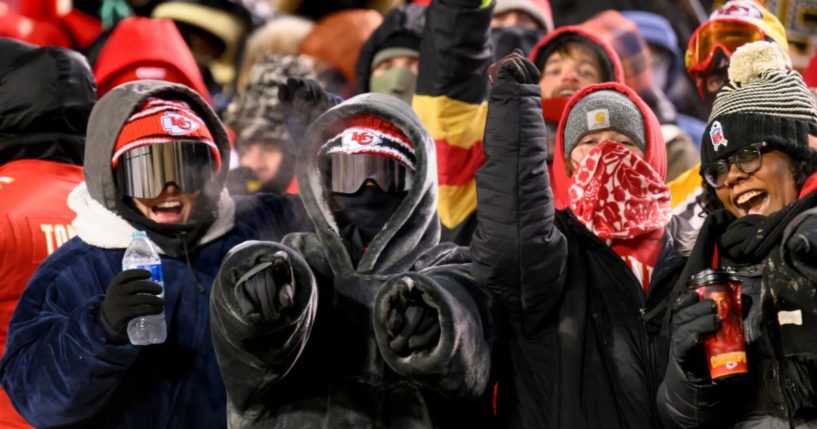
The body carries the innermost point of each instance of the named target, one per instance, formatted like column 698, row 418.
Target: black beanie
column 762, row 102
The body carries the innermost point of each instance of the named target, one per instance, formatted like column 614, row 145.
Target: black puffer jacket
column 329, row 364
column 403, row 27
column 46, row 98
column 586, row 348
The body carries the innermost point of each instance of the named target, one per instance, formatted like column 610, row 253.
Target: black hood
column 402, row 27
column 46, row 96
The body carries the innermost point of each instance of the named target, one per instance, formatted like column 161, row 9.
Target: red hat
column 163, row 121
column 367, row 134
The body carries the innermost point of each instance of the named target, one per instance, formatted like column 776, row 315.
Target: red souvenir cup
column 725, row 349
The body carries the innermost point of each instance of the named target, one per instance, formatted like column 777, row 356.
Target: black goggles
column 350, row 172
column 144, row 171
column 747, row 159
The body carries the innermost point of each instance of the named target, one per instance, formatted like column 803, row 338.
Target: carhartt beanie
column 604, row 110
column 763, row 102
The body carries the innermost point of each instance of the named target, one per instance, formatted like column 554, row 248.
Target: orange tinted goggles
column 723, row 34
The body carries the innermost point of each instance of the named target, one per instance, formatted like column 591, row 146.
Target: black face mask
column 506, row 39
column 367, row 210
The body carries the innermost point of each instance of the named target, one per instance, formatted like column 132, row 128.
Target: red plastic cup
column 725, row 349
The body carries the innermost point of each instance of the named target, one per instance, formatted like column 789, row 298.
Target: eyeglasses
column 747, row 159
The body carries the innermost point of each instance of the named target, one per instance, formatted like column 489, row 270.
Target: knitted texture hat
column 163, row 121
column 537, row 9
column 256, row 115
column 366, row 134
column 604, row 110
column 762, row 102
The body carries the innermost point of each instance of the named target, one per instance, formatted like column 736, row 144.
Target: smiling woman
column 760, row 175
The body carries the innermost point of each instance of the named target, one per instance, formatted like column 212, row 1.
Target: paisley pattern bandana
column 618, row 195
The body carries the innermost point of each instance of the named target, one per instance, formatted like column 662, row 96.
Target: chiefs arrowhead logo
column 178, row 125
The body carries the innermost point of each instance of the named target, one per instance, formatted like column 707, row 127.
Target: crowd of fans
column 444, row 213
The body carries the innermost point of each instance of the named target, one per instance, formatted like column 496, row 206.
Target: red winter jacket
column 144, row 48
column 34, row 221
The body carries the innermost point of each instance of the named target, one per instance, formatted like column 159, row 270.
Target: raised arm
column 452, row 89
column 519, row 254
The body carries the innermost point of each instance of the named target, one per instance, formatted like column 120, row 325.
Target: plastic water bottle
column 141, row 254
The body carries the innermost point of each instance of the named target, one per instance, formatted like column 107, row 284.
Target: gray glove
column 267, row 289
column 413, row 325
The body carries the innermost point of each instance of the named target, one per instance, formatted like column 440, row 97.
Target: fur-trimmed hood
column 414, row 226
column 108, row 117
column 103, row 228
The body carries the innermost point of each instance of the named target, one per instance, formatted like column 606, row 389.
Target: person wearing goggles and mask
column 760, row 179
column 344, row 326
column 155, row 160
column 734, row 24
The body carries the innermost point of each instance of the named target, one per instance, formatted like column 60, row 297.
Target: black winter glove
column 691, row 320
column 803, row 242
column 304, row 98
column 130, row 295
column 413, row 325
column 267, row 289
column 513, row 68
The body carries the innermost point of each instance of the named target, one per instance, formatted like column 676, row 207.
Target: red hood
column 553, row 108
column 162, row 54
column 613, row 61
column 810, row 73
column 625, row 38
column 656, row 154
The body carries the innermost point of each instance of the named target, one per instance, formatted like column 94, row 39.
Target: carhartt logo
column 178, row 125
column 716, row 135
column 598, row 119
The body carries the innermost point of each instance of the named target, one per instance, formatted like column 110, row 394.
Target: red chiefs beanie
column 367, row 134
column 163, row 121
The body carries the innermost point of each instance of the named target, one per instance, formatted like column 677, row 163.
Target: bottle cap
column 139, row 234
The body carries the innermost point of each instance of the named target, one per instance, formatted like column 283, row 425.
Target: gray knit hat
column 604, row 110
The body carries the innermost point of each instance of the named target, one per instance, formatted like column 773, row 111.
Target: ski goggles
column 144, row 171
column 348, row 172
column 724, row 34
column 747, row 159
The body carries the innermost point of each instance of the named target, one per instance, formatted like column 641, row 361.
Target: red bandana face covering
column 618, row 195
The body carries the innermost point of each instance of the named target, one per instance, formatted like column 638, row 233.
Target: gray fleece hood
column 109, row 116
column 412, row 229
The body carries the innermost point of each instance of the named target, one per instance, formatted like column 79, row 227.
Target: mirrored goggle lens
column 726, row 35
column 144, row 171
column 349, row 172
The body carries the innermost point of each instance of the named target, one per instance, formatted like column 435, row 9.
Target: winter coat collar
column 101, row 227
